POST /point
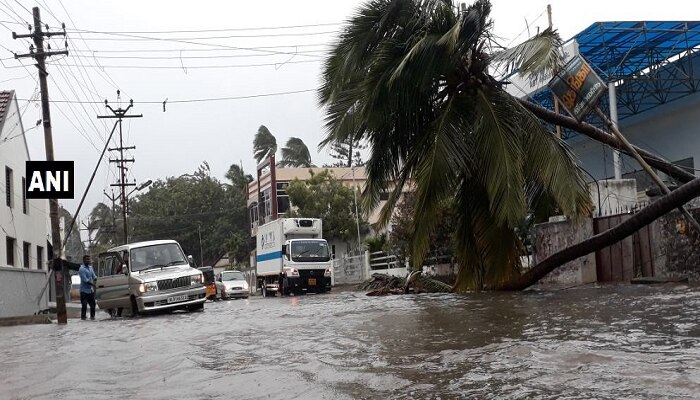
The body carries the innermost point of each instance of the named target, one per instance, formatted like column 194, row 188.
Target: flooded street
column 606, row 343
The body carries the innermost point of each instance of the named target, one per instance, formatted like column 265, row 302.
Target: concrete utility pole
column 40, row 56
column 120, row 114
column 112, row 228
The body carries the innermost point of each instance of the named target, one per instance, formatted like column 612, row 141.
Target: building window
column 8, row 186
column 39, row 257
column 26, row 248
column 24, row 195
column 10, row 248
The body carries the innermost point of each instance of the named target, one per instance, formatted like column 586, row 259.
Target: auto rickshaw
column 209, row 282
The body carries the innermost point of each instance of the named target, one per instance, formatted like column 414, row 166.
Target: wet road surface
column 608, row 343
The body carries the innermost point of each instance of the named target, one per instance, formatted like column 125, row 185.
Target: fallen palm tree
column 383, row 284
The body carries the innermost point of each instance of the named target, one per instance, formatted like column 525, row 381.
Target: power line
column 188, row 41
column 193, row 100
column 219, row 29
column 307, row 53
column 193, row 50
column 194, row 66
column 124, row 37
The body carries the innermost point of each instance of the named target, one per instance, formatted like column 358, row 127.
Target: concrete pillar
column 617, row 160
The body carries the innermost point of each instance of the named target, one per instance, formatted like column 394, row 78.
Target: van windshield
column 159, row 255
column 309, row 250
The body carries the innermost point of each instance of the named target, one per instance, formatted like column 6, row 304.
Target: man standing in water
column 87, row 288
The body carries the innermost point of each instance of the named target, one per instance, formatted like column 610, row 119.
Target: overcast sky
column 176, row 141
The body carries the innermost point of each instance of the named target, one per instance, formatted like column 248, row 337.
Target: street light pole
column 201, row 254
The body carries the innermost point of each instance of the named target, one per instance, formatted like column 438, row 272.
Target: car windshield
column 309, row 250
column 159, row 255
column 232, row 276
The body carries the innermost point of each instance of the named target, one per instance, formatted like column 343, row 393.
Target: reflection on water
column 606, row 343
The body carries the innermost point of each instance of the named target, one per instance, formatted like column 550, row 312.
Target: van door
column 112, row 282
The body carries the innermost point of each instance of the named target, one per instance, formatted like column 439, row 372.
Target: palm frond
column 500, row 156
column 536, row 58
column 263, row 143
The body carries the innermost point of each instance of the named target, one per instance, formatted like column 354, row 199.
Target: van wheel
column 196, row 307
column 134, row 307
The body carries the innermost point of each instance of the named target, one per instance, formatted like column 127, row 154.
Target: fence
column 380, row 261
column 350, row 268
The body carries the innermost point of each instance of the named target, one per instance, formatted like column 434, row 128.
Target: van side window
column 104, row 266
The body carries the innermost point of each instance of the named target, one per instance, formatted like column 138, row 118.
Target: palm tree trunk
column 613, row 235
column 604, row 137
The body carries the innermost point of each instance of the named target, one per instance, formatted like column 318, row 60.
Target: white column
column 617, row 160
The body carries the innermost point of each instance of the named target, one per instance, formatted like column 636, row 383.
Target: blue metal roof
column 652, row 62
column 620, row 49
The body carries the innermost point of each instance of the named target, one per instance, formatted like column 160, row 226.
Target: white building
column 24, row 224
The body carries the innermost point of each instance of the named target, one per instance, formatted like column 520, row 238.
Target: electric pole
column 40, row 56
column 120, row 114
column 113, row 227
column 90, row 228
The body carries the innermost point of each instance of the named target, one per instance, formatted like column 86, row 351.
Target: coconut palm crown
column 414, row 80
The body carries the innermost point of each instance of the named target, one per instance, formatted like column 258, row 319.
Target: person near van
column 87, row 288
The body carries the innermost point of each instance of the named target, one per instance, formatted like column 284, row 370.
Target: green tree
column 295, row 154
column 323, row 196
column 103, row 228
column 346, row 153
column 415, row 77
column 264, row 143
column 181, row 208
column 74, row 248
column 239, row 179
column 402, row 229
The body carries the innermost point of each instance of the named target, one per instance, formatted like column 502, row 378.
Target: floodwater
column 626, row 342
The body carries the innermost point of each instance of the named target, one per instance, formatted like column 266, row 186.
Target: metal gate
column 627, row 259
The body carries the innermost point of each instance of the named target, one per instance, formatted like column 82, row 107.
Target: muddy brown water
column 628, row 342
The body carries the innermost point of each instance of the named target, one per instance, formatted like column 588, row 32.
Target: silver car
column 235, row 285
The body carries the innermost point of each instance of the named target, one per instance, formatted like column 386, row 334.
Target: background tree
column 74, row 246
column 347, row 153
column 106, row 227
column 178, row 208
column 414, row 77
column 239, row 179
column 402, row 230
column 263, row 143
column 295, row 154
column 323, row 196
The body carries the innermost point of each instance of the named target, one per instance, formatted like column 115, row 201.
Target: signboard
column 49, row 180
column 577, row 87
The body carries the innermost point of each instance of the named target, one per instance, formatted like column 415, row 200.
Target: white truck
column 292, row 257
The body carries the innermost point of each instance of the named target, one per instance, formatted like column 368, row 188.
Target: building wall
column 675, row 251
column 20, row 290
column 552, row 237
column 669, row 130
column 32, row 227
column 615, row 196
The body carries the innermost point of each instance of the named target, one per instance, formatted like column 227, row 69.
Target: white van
column 148, row 276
